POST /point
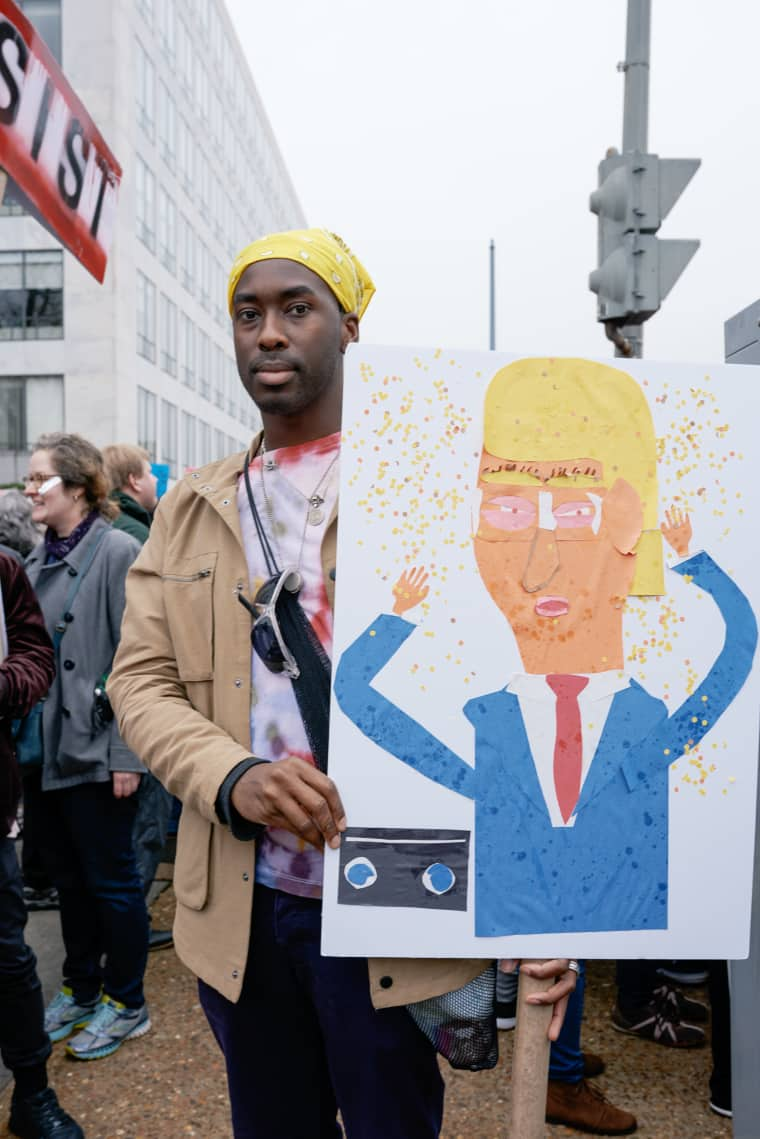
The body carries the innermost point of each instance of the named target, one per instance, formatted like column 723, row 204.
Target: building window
column 167, row 29
column 203, row 179
column 31, row 295
column 204, row 360
column 187, row 350
column 30, row 406
column 167, row 230
column 188, row 456
column 146, row 318
column 219, row 294
column 145, row 185
column 168, row 326
column 233, row 387
column 145, row 8
column 146, row 421
column 46, row 17
column 204, row 275
column 202, row 91
column 219, row 376
column 169, row 436
column 186, row 58
column 186, row 154
column 146, row 92
column 204, row 443
column 167, row 125
column 186, row 254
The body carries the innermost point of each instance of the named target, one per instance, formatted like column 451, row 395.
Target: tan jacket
column 181, row 688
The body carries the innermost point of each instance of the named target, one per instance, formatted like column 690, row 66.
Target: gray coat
column 74, row 753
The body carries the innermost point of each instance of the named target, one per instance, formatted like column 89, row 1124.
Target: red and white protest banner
column 50, row 146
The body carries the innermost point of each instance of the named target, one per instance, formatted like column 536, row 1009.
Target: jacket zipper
column 186, row 577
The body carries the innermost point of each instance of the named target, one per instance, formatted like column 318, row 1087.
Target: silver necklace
column 315, row 501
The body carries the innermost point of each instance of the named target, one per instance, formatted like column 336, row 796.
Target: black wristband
column 241, row 828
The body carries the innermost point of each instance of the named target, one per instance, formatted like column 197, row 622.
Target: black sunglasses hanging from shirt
column 283, row 639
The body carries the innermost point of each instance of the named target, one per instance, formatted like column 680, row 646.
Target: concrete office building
column 147, row 356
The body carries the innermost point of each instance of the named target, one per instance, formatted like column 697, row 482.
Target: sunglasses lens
column 266, row 646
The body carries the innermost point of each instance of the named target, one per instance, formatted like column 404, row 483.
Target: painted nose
column 543, row 561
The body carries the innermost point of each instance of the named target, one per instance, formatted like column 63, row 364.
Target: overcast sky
column 420, row 129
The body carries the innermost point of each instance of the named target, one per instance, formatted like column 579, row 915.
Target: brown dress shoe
column 583, row 1107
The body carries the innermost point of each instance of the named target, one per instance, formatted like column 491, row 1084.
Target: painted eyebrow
column 285, row 295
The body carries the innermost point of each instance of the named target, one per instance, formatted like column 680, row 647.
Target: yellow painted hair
column 565, row 410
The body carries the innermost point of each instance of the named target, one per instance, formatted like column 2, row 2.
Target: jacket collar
column 130, row 506
column 75, row 557
column 218, row 482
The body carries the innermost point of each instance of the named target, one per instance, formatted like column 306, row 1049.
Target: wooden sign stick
column 530, row 1061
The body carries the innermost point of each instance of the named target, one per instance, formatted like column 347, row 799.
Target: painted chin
column 552, row 606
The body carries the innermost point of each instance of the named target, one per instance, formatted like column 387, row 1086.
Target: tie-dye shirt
column 290, row 475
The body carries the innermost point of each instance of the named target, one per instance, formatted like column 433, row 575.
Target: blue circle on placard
column 438, row 878
column 360, row 873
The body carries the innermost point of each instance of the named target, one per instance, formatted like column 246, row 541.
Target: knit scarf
column 56, row 549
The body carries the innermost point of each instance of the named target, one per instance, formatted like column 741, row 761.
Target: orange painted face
column 558, row 562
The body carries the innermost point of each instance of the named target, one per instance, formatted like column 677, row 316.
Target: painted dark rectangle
column 397, row 866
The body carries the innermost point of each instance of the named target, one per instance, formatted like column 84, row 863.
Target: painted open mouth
column 552, row 606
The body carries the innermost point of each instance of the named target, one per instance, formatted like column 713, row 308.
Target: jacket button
column 72, row 572
column 225, row 502
column 68, row 665
column 235, row 974
column 65, row 712
column 245, row 875
column 68, row 618
column 238, row 682
column 386, row 982
column 332, row 574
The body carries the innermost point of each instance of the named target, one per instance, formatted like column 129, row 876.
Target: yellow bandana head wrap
column 323, row 252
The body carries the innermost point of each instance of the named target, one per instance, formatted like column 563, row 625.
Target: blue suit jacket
column 610, row 870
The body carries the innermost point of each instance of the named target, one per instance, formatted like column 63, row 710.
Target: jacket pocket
column 188, row 585
column 191, row 866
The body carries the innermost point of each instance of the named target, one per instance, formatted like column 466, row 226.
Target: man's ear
column 623, row 516
column 349, row 332
column 132, row 481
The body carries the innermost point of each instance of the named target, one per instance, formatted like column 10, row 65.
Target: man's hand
column 410, row 590
column 557, row 994
column 294, row 795
column 676, row 530
column 125, row 783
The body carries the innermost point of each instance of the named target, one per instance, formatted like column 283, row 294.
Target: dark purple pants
column 304, row 1040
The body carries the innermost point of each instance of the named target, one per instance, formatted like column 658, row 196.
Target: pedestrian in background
column 26, row 670
column 87, row 804
column 133, row 489
column 132, row 486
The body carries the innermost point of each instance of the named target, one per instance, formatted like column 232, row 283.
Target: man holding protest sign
column 240, row 737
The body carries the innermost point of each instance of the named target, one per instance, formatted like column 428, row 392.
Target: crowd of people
column 142, row 670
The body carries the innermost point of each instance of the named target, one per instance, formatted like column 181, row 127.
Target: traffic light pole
column 629, row 340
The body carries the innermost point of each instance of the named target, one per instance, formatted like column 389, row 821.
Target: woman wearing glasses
column 87, row 803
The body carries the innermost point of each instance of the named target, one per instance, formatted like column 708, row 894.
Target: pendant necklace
column 315, row 513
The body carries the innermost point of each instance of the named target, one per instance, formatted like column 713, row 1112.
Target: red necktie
column 568, row 748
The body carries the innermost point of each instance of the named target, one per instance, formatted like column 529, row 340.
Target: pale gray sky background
column 418, row 130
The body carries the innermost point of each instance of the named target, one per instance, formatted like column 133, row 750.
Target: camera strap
column 312, row 687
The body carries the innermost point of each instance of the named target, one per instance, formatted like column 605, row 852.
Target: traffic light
column 637, row 270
